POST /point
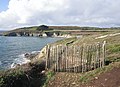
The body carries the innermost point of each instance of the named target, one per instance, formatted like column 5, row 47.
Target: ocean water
column 12, row 49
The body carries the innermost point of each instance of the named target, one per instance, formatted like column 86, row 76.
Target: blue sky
column 4, row 5
column 94, row 13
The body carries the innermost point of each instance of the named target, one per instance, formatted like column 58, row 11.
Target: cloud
column 103, row 13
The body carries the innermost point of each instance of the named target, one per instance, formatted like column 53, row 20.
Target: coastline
column 29, row 57
column 13, row 49
column 35, row 55
column 32, row 73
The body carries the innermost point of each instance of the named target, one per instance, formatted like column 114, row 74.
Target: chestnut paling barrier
column 75, row 58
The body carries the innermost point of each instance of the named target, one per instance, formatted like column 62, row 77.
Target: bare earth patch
column 65, row 80
column 108, row 79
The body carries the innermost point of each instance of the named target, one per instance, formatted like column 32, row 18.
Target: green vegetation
column 49, row 75
column 66, row 41
column 42, row 28
column 20, row 76
column 72, row 30
column 13, row 76
column 114, row 47
column 112, row 54
column 27, row 75
column 88, row 76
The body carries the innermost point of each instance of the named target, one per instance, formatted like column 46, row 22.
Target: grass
column 112, row 56
column 22, row 76
column 32, row 29
column 88, row 76
column 11, row 72
column 10, row 75
column 113, row 53
column 66, row 41
column 50, row 75
column 114, row 47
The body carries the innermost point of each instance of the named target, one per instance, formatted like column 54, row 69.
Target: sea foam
column 19, row 61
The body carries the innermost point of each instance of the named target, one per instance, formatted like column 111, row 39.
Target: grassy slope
column 28, row 75
column 112, row 57
column 113, row 49
column 79, row 79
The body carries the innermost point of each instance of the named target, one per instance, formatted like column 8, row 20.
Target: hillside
column 1, row 32
column 57, row 31
column 107, row 76
column 34, row 74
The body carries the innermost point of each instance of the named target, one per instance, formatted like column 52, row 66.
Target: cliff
column 53, row 31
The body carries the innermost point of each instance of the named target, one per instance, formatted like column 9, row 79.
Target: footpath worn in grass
column 64, row 79
column 88, row 76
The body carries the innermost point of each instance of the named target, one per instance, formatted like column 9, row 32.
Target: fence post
column 91, row 56
column 83, row 58
column 47, row 56
column 55, row 58
column 51, row 56
column 97, row 55
column 70, row 57
column 78, row 59
column 59, row 57
column 87, row 57
column 99, row 48
column 104, row 53
column 92, row 63
column 74, row 57
column 66, row 58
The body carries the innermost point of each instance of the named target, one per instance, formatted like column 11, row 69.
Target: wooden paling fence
column 75, row 58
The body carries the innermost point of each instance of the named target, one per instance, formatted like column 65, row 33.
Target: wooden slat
column 104, row 53
column 75, row 58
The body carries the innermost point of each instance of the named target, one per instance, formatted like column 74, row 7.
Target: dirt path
column 65, row 80
column 108, row 79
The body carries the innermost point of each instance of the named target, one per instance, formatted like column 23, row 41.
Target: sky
column 94, row 13
column 3, row 5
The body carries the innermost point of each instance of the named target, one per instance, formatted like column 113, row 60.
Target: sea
column 12, row 49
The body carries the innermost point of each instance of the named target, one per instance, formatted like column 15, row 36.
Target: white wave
column 13, row 65
column 22, row 60
column 35, row 52
column 19, row 61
